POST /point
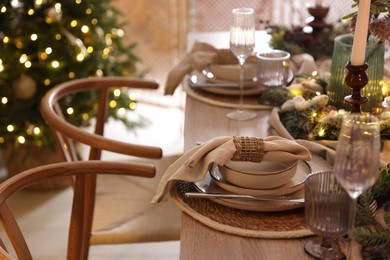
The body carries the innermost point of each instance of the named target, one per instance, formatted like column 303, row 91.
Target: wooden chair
column 136, row 220
column 81, row 170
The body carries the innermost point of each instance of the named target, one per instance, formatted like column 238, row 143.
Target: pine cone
column 380, row 27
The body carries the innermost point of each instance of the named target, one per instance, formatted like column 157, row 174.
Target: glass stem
column 241, row 102
column 352, row 218
column 328, row 252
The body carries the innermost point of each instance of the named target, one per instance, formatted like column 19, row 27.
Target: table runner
column 286, row 224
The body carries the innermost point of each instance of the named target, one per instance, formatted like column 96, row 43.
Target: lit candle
column 361, row 30
column 318, row 2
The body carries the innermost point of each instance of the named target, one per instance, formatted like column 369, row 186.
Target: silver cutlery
column 246, row 197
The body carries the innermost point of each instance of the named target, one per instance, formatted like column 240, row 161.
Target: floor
column 44, row 217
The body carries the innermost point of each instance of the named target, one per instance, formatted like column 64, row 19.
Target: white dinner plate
column 197, row 80
column 209, row 185
column 263, row 206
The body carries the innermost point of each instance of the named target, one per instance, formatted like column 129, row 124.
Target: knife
column 247, row 197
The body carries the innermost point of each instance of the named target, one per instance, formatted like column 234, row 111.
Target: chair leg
column 76, row 222
column 89, row 204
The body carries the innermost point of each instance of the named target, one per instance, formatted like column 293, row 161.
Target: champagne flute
column 242, row 43
column 356, row 164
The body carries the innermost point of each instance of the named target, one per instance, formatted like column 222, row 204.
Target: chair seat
column 123, row 208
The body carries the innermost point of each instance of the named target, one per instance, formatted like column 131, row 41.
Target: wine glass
column 356, row 164
column 325, row 203
column 242, row 43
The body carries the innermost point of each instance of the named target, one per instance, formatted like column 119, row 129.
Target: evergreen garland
column 368, row 231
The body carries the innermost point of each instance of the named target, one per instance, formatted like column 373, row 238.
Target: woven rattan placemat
column 286, row 224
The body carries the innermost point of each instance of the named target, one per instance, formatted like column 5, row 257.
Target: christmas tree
column 46, row 42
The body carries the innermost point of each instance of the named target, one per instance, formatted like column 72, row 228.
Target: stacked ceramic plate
column 223, row 76
column 261, row 179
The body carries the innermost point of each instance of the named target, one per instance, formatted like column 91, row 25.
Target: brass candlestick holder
column 356, row 79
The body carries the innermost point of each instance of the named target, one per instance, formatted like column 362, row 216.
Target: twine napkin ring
column 248, row 149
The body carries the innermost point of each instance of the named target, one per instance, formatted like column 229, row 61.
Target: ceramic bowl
column 264, row 175
column 231, row 72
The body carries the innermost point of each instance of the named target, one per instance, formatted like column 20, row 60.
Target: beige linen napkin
column 193, row 165
column 201, row 55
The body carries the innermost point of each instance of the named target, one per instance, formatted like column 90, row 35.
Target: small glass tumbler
column 273, row 68
column 326, row 214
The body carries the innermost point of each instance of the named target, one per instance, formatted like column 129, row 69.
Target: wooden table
column 202, row 122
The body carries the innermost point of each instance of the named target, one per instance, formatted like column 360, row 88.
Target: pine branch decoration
column 372, row 236
column 370, row 232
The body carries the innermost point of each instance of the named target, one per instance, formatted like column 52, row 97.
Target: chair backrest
column 67, row 134
column 47, row 172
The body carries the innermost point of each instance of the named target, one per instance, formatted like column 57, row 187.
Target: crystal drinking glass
column 356, row 164
column 242, row 43
column 325, row 204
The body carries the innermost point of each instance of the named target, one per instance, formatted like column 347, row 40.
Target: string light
column 108, row 39
column 4, row 100
column 321, row 132
column 55, row 64
column 34, row 37
column 132, row 96
column 117, row 92
column 385, row 86
column 112, row 103
column 132, row 105
column 85, row 117
column 121, row 112
column 19, row 44
column 27, row 64
column 43, row 55
column 105, row 53
column 23, row 58
column 21, row 139
column 99, row 73
column 6, row 39
column 80, row 57
column 70, row 110
column 47, row 82
column 73, row 23
column 84, row 29
column 10, row 128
